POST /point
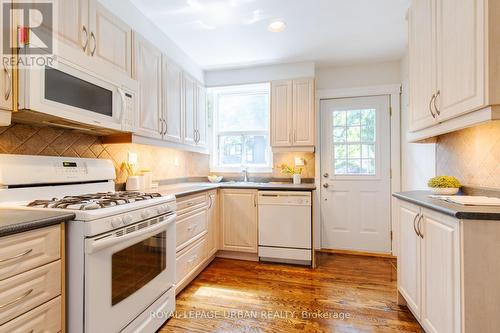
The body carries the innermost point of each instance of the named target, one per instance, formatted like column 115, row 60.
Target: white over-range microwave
column 80, row 93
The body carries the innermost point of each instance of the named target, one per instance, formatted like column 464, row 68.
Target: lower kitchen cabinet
column 239, row 220
column 213, row 223
column 448, row 270
column 197, row 238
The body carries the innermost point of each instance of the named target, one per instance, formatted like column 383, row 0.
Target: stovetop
column 93, row 201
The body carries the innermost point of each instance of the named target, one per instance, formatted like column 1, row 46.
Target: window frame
column 215, row 93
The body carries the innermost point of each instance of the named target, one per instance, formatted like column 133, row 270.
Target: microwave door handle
column 99, row 244
column 124, row 103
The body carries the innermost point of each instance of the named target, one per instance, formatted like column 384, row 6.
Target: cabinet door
column 6, row 86
column 422, row 69
column 189, row 109
column 409, row 281
column 147, row 70
column 239, row 220
column 281, row 113
column 172, row 92
column 440, row 273
column 303, row 112
column 201, row 116
column 461, row 56
column 110, row 38
column 213, row 223
column 73, row 28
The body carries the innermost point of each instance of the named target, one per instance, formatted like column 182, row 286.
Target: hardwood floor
column 351, row 293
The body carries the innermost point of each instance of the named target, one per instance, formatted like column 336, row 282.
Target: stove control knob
column 166, row 208
column 145, row 214
column 116, row 222
column 127, row 219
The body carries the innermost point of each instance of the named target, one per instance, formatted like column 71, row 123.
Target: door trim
column 394, row 93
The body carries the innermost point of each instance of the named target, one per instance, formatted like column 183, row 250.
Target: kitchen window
column 241, row 128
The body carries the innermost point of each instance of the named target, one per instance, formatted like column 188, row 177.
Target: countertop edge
column 185, row 192
column 35, row 224
column 486, row 216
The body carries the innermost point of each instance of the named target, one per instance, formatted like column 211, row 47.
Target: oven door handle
column 94, row 245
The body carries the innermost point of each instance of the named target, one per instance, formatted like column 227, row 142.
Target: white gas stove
column 120, row 246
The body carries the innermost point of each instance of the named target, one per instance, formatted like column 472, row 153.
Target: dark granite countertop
column 461, row 212
column 183, row 189
column 13, row 221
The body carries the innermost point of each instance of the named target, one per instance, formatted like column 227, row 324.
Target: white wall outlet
column 132, row 158
column 299, row 161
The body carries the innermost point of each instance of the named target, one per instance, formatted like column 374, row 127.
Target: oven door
column 126, row 271
column 67, row 91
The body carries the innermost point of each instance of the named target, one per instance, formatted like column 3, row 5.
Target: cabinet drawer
column 189, row 227
column 22, row 252
column 190, row 203
column 23, row 292
column 45, row 318
column 188, row 260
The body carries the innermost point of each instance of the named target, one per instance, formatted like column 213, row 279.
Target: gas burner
column 94, row 201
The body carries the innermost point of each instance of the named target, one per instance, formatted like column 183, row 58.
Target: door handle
column 84, row 46
column 92, row 36
column 326, row 175
column 326, row 185
column 414, row 224
column 419, row 226
column 430, row 106
column 9, row 81
column 435, row 104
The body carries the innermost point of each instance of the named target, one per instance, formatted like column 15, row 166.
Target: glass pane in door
column 136, row 265
column 354, row 140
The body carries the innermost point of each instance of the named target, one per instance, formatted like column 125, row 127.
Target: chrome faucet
column 244, row 172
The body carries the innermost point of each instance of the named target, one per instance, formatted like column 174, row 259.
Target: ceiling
column 233, row 33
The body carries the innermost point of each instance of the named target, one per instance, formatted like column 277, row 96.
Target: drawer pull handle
column 25, row 253
column 17, row 300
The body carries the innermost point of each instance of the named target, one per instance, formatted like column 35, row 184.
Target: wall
column 358, row 76
column 418, row 160
column 258, row 74
column 49, row 141
column 140, row 23
column 472, row 155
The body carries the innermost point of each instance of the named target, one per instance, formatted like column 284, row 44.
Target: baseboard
column 237, row 255
column 358, row 253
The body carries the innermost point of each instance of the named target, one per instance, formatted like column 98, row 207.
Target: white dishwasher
column 285, row 226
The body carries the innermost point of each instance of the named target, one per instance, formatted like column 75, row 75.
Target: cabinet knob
column 326, row 185
column 326, row 175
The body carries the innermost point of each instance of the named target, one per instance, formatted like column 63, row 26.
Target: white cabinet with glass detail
column 292, row 114
column 454, row 76
column 90, row 27
column 448, row 270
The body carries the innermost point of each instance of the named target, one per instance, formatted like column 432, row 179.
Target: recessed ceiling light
column 277, row 26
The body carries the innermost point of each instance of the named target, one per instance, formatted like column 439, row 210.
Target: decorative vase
column 296, row 179
column 445, row 190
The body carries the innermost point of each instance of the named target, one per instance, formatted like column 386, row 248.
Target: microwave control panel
column 128, row 108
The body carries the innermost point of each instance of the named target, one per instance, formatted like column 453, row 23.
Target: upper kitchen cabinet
column 110, row 38
column 422, row 72
column 6, row 89
column 189, row 85
column 454, row 80
column 172, row 101
column 292, row 114
column 147, row 70
column 88, row 26
column 201, row 115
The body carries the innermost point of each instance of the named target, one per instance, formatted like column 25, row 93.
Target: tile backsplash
column 472, row 155
column 165, row 163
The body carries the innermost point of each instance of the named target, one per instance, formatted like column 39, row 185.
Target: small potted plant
column 444, row 185
column 293, row 172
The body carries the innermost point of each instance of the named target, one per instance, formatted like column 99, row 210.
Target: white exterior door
column 355, row 180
